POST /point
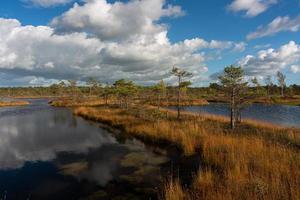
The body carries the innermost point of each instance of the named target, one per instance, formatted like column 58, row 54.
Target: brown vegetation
column 183, row 102
column 293, row 100
column 13, row 103
column 254, row 161
column 174, row 191
column 287, row 100
column 250, row 160
column 67, row 102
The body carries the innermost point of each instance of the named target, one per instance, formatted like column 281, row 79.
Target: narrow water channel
column 47, row 153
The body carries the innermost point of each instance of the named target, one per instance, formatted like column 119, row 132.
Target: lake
column 47, row 153
column 277, row 114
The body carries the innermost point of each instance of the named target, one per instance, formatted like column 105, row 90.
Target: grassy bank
column 184, row 102
column 290, row 101
column 67, row 102
column 255, row 161
column 13, row 103
column 94, row 101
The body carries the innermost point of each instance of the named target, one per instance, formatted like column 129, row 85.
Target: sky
column 45, row 41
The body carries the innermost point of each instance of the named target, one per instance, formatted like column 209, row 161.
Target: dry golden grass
column 174, row 191
column 292, row 101
column 255, row 161
column 13, row 103
column 288, row 100
column 66, row 102
column 248, row 168
column 184, row 102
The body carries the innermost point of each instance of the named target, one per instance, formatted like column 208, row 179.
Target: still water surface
column 47, row 153
column 277, row 114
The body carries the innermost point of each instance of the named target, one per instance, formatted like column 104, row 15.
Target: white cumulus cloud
column 116, row 21
column 251, row 8
column 268, row 62
column 46, row 3
column 295, row 69
column 104, row 40
column 279, row 24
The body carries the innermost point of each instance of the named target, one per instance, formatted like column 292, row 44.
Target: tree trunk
column 167, row 97
column 282, row 88
column 126, row 102
column 158, row 102
column 232, row 110
column 238, row 117
column 178, row 98
column 106, row 100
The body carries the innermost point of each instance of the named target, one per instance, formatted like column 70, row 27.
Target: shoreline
column 245, row 120
column 287, row 101
column 246, row 123
column 217, row 117
column 13, row 103
column 205, row 136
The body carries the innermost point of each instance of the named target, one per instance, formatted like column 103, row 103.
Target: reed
column 174, row 191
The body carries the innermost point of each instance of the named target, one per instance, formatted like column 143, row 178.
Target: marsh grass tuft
column 174, row 191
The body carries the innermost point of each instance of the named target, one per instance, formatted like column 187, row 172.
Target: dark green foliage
column 234, row 85
column 125, row 90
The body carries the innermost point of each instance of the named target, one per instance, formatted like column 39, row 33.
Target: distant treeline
column 233, row 88
column 212, row 90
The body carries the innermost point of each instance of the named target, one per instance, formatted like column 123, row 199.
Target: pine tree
column 234, row 84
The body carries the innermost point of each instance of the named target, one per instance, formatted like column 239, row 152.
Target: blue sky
column 199, row 36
